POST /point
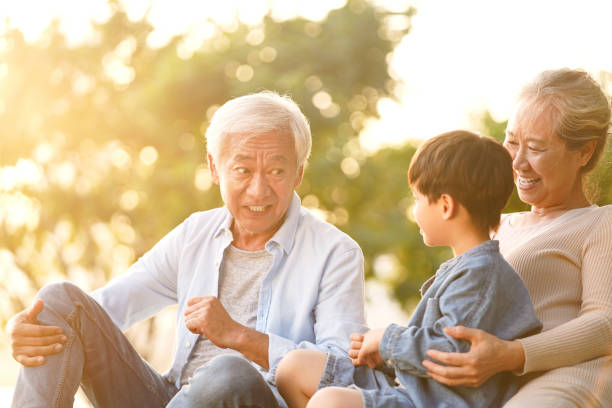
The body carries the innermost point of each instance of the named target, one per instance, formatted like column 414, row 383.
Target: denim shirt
column 476, row 289
column 312, row 296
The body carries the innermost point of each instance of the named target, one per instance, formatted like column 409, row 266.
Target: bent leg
column 336, row 397
column 298, row 375
column 96, row 355
column 225, row 381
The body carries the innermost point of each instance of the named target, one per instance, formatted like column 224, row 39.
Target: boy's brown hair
column 475, row 170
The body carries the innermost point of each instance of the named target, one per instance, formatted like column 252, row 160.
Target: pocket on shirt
column 432, row 312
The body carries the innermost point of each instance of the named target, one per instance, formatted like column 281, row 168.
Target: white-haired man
column 253, row 280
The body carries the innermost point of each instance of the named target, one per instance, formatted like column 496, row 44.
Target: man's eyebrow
column 279, row 157
column 242, row 157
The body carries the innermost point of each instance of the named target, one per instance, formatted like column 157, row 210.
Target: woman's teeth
column 527, row 180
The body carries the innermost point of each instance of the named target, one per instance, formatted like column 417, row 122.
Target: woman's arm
column 488, row 356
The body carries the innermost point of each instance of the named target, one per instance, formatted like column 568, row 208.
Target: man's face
column 257, row 175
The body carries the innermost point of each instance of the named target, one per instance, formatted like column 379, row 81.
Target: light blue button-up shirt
column 312, row 296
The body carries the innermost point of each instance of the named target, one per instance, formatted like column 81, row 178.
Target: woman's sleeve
column 589, row 335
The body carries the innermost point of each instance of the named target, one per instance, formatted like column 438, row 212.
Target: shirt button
column 187, row 344
column 216, row 264
column 170, row 380
column 389, row 362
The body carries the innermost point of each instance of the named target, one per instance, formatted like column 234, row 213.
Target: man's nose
column 258, row 186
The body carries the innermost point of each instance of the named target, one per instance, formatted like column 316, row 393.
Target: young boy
column 460, row 182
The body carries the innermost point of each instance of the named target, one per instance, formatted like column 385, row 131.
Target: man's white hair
column 260, row 113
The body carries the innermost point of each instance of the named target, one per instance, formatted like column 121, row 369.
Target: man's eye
column 242, row 170
column 277, row 172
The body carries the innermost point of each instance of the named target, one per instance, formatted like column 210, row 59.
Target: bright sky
column 463, row 57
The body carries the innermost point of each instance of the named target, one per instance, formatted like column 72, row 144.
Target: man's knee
column 59, row 291
column 60, row 300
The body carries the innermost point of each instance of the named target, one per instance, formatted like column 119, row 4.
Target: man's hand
column 206, row 315
column 31, row 341
column 365, row 348
column 488, row 355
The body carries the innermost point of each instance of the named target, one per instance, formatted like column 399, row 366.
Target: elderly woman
column 562, row 249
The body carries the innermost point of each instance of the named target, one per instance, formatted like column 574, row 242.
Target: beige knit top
column 566, row 264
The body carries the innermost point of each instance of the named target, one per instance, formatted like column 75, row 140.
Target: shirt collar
column 491, row 246
column 285, row 234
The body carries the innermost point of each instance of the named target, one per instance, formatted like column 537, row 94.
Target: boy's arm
column 459, row 302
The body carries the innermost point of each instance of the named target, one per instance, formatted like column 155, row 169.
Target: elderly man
column 253, row 280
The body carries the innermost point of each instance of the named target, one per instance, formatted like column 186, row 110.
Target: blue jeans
column 98, row 357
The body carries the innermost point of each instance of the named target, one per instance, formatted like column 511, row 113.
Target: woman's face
column 546, row 172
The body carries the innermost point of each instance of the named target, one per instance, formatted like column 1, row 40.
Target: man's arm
column 207, row 316
column 30, row 340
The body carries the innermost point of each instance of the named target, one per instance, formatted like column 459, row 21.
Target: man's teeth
column 527, row 180
column 257, row 208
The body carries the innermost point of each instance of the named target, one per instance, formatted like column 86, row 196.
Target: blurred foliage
column 103, row 151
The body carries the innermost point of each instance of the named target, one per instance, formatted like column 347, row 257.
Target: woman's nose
column 519, row 159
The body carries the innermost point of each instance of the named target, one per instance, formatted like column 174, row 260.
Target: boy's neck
column 467, row 238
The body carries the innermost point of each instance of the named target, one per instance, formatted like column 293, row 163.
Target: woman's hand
column 488, row 356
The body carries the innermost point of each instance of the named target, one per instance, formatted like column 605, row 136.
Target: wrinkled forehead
column 530, row 116
column 276, row 144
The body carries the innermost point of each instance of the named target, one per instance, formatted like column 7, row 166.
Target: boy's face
column 429, row 219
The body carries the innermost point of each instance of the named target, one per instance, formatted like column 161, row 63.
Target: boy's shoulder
column 483, row 264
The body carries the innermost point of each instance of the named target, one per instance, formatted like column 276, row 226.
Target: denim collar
column 490, row 246
column 285, row 235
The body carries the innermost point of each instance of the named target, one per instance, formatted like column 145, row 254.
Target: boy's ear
column 448, row 206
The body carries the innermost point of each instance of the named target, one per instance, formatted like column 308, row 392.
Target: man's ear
column 300, row 176
column 448, row 206
column 213, row 169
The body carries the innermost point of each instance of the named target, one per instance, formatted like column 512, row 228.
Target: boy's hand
column 356, row 342
column 365, row 348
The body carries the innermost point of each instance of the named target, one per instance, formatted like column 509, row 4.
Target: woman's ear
column 448, row 206
column 586, row 152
